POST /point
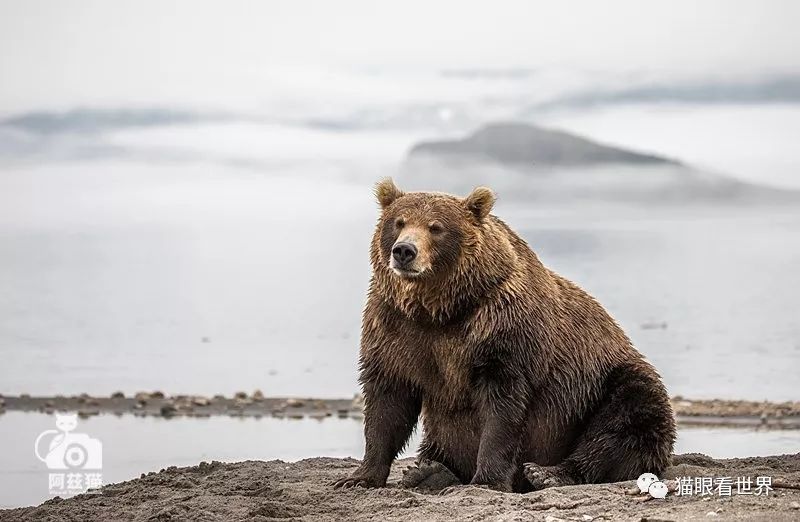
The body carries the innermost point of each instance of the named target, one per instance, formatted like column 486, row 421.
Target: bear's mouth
column 406, row 272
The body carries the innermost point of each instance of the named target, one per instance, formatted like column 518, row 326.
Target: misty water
column 202, row 279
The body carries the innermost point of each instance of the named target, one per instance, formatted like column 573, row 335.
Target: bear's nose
column 404, row 253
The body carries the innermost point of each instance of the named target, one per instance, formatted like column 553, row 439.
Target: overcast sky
column 58, row 54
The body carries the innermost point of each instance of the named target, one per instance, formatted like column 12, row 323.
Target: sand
column 276, row 490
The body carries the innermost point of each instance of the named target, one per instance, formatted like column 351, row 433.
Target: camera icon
column 68, row 450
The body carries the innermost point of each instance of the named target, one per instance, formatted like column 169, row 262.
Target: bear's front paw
column 361, row 478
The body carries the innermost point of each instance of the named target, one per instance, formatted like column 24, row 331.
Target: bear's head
column 433, row 251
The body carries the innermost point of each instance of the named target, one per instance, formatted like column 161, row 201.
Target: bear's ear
column 386, row 192
column 480, row 202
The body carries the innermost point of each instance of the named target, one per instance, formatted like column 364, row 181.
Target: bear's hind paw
column 542, row 477
column 428, row 474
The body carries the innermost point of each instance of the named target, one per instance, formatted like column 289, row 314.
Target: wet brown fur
column 506, row 361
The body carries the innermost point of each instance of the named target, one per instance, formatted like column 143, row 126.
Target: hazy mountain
column 95, row 120
column 533, row 164
column 520, row 144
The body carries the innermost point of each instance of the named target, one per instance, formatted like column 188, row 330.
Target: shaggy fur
column 522, row 379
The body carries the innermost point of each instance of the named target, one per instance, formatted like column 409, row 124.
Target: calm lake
column 193, row 279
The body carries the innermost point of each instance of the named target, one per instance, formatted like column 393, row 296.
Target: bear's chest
column 436, row 360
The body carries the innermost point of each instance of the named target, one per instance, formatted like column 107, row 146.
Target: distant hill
column 528, row 163
column 520, row 144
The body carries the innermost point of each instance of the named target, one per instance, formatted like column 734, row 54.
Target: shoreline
column 715, row 412
column 261, row 490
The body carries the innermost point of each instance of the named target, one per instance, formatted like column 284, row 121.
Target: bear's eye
column 436, row 228
column 399, row 223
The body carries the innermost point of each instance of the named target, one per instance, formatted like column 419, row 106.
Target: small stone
column 142, row 397
column 588, row 518
column 712, row 514
column 795, row 505
column 294, row 403
column 240, row 395
column 47, row 404
column 168, row 409
column 117, row 395
column 157, row 395
column 200, row 401
column 258, row 395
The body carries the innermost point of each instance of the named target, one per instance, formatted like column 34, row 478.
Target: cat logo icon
column 68, row 450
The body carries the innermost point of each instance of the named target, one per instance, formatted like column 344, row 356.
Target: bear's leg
column 631, row 432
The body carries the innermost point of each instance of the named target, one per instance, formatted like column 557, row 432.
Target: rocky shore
column 717, row 412
column 277, row 490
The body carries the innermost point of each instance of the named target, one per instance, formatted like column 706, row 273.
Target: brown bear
column 522, row 379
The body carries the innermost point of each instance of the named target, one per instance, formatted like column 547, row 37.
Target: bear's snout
column 404, row 253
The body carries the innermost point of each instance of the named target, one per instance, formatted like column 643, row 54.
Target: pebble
column 294, row 403
column 240, row 395
column 795, row 505
column 258, row 395
column 200, row 401
column 118, row 395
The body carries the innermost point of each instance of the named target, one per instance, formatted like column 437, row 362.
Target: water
column 197, row 278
